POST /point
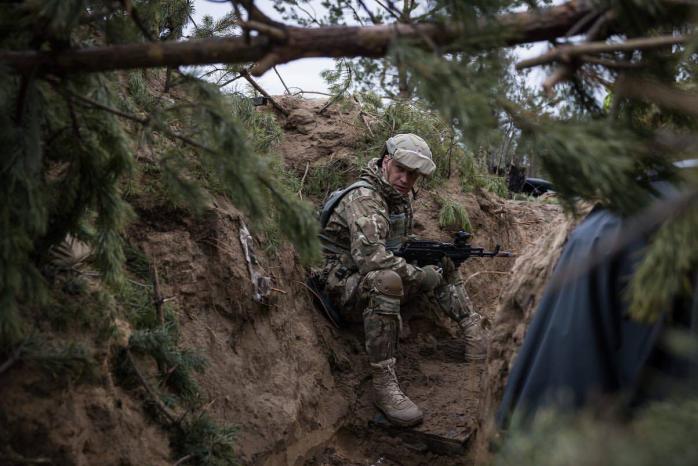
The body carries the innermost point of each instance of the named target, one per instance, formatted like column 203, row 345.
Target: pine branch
column 565, row 53
column 367, row 41
column 657, row 93
column 143, row 121
column 156, row 399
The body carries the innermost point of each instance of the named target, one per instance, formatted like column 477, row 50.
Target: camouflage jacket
column 367, row 220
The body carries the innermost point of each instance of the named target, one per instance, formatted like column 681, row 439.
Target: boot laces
column 393, row 388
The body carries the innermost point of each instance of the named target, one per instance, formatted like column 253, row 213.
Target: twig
column 278, row 290
column 565, row 53
column 574, row 30
column 301, row 91
column 246, row 74
column 196, row 26
column 230, row 81
column 128, row 116
column 183, row 459
column 281, row 79
column 14, row 357
column 374, row 20
column 362, row 114
column 564, row 71
column 156, row 399
column 340, row 93
column 484, row 271
column 615, row 64
column 266, row 29
column 300, row 189
column 157, row 296
column 450, row 153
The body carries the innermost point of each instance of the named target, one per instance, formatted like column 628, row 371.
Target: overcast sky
column 300, row 74
column 305, row 73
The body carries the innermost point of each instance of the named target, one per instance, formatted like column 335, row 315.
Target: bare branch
column 374, row 20
column 566, row 70
column 14, row 357
column 255, row 14
column 156, row 399
column 565, row 53
column 336, row 41
column 266, row 29
column 157, row 295
column 231, row 80
column 282, row 80
column 245, row 74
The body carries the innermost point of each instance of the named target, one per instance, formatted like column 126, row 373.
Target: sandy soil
column 297, row 388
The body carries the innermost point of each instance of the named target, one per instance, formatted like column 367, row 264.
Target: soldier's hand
column 431, row 277
column 448, row 267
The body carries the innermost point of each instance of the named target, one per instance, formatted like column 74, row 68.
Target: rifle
column 425, row 252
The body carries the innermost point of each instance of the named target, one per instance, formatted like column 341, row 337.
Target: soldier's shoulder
column 363, row 194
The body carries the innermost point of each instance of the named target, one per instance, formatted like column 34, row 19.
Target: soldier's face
column 399, row 176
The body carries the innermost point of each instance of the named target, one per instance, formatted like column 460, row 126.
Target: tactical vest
column 398, row 223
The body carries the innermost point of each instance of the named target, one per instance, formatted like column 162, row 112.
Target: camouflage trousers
column 376, row 298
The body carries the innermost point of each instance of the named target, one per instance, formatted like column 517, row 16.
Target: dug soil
column 296, row 387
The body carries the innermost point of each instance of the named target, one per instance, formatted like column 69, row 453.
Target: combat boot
column 390, row 399
column 475, row 337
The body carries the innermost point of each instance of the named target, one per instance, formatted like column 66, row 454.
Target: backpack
column 335, row 197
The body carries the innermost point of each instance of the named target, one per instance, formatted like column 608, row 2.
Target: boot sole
column 399, row 422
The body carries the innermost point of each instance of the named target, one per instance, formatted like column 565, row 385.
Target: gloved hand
column 450, row 271
column 431, row 277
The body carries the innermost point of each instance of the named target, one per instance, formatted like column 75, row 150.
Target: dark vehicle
column 536, row 186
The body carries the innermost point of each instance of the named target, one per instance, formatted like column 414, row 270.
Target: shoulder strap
column 333, row 200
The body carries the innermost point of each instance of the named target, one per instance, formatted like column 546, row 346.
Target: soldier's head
column 406, row 157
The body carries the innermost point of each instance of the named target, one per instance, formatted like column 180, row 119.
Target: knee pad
column 388, row 283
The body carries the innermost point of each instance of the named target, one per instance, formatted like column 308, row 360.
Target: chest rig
column 399, row 220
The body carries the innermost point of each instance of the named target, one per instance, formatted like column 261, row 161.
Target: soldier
column 363, row 278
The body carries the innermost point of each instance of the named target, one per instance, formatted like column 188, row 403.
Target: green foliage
column 74, row 306
column 454, row 215
column 70, row 144
column 598, row 161
column 208, row 443
column 176, row 364
column 64, row 361
column 136, row 299
column 463, row 90
column 399, row 117
column 661, row 434
column 323, row 179
column 665, row 273
column 137, row 262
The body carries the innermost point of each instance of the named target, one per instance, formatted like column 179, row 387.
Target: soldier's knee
column 388, row 283
column 384, row 292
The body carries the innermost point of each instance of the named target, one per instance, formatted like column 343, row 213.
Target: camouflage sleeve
column 367, row 218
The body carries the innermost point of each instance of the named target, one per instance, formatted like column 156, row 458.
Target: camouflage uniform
column 363, row 278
